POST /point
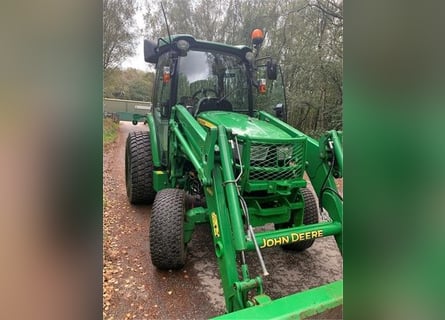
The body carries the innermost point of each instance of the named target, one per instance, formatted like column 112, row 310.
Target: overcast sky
column 137, row 61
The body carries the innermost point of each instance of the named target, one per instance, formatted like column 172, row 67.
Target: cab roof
column 163, row 45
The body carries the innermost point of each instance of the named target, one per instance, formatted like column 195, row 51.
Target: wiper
column 228, row 94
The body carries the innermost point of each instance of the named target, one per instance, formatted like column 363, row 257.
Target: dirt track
column 134, row 289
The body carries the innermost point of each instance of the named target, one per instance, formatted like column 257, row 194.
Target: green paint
column 193, row 217
column 154, row 141
column 286, row 236
column 298, row 306
column 217, row 205
column 160, row 180
column 317, row 170
column 244, row 126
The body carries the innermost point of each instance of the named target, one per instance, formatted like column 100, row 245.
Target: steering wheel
column 204, row 91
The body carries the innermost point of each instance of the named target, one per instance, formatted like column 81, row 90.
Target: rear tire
column 167, row 247
column 139, row 168
column 310, row 216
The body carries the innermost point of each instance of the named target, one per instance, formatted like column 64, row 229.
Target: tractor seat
column 213, row 104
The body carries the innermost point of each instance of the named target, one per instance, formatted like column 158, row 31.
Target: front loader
column 219, row 151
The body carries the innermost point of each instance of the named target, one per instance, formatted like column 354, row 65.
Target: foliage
column 109, row 131
column 305, row 36
column 118, row 31
column 129, row 84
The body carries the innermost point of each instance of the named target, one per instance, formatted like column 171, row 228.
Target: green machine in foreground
column 219, row 151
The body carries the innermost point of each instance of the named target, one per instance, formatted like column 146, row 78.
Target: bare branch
column 325, row 10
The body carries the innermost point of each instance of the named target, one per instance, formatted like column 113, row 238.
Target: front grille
column 276, row 161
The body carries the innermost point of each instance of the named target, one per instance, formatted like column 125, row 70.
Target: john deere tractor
column 219, row 151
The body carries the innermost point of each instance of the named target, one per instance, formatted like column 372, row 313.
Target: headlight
column 285, row 152
column 259, row 153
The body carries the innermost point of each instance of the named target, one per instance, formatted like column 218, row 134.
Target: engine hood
column 242, row 125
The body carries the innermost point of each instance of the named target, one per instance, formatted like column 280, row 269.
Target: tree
column 306, row 37
column 118, row 31
column 130, row 84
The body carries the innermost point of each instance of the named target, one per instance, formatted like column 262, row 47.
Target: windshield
column 212, row 74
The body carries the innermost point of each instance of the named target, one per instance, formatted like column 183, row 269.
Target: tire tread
column 167, row 247
column 139, row 168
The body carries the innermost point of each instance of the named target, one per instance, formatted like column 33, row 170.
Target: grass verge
column 109, row 131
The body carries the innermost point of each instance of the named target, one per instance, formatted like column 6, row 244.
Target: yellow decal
column 206, row 123
column 210, row 191
column 294, row 237
column 215, row 225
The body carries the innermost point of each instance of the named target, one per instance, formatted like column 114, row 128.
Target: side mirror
column 150, row 51
column 278, row 111
column 271, row 69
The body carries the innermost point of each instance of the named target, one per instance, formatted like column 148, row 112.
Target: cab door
column 162, row 102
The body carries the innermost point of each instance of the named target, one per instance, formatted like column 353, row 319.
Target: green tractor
column 219, row 151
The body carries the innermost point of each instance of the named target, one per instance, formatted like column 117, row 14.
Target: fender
column 154, row 141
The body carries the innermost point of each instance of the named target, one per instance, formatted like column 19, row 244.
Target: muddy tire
column 139, row 168
column 167, row 247
column 310, row 216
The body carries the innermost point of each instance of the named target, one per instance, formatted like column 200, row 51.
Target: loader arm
column 324, row 159
column 223, row 208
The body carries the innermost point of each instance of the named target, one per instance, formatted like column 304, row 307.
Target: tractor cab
column 205, row 76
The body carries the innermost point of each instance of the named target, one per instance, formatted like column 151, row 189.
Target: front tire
column 139, row 168
column 310, row 216
column 167, row 247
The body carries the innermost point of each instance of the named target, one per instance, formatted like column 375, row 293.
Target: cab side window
column 163, row 86
column 161, row 105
